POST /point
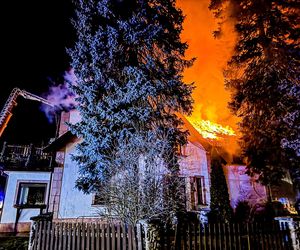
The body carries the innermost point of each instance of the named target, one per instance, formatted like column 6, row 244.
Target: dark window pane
column 31, row 194
column 200, row 190
column 99, row 200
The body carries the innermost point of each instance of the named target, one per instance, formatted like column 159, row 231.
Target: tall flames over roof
column 211, row 117
column 211, row 130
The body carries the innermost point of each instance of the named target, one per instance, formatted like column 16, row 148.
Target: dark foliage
column 263, row 77
column 269, row 211
column 13, row 243
column 220, row 209
column 242, row 212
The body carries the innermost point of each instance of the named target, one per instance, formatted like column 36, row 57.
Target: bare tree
column 142, row 185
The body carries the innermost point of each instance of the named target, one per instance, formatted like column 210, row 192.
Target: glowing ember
column 211, row 130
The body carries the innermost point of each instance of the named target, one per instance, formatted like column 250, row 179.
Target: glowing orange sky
column 210, row 96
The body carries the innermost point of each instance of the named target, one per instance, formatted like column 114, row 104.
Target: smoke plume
column 60, row 96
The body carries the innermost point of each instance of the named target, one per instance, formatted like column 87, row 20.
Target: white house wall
column 242, row 187
column 74, row 203
column 195, row 163
column 9, row 212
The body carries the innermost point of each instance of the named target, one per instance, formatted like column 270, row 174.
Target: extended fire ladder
column 11, row 102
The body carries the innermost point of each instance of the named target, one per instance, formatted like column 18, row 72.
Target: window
column 31, row 194
column 197, row 192
column 99, row 200
column 200, row 190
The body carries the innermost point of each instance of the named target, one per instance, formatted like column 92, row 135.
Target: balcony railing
column 25, row 157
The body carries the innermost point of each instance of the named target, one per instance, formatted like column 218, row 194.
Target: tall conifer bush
column 220, row 209
column 129, row 60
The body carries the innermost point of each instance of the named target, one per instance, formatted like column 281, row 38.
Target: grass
column 13, row 242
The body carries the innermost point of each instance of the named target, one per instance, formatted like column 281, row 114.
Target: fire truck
column 11, row 102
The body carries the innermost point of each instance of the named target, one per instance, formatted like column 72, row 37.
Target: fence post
column 294, row 228
column 32, row 235
column 139, row 234
column 36, row 220
column 153, row 234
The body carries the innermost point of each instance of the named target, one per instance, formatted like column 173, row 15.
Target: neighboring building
column 24, row 186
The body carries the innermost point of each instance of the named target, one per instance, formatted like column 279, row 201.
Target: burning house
column 48, row 184
column 68, row 203
column 37, row 180
column 40, row 181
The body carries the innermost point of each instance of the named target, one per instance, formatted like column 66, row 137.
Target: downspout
column 49, row 189
column 57, row 118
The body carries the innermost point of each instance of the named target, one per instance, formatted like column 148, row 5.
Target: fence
column 89, row 236
column 185, row 236
column 235, row 236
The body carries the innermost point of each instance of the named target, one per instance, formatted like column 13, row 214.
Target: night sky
column 34, row 38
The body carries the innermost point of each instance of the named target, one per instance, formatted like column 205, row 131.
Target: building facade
column 25, row 186
column 68, row 203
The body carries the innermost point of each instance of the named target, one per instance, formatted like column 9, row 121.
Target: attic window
column 31, row 194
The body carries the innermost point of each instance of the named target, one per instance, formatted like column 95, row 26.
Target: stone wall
column 55, row 191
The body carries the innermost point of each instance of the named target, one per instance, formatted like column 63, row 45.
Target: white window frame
column 32, row 182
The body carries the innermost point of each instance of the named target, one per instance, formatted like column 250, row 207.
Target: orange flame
column 211, row 115
column 211, row 130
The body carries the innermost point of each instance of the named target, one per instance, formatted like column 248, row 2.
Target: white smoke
column 70, row 77
column 61, row 96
